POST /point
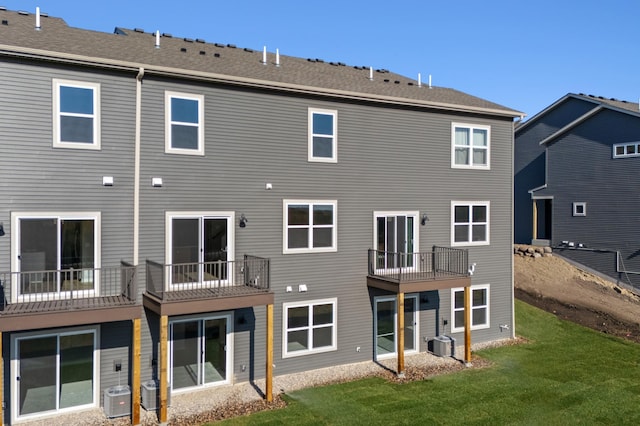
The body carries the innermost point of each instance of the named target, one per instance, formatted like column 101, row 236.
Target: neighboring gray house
column 575, row 163
column 199, row 213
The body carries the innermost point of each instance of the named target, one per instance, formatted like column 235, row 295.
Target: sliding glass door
column 385, row 326
column 54, row 372
column 200, row 352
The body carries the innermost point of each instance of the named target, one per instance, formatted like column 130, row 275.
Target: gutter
column 114, row 64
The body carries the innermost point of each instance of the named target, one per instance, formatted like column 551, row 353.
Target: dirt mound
column 556, row 286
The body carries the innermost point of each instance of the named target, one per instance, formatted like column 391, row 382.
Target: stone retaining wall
column 531, row 251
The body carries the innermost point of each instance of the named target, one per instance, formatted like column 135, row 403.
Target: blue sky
column 522, row 54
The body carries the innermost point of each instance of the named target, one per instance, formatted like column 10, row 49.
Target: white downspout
column 136, row 170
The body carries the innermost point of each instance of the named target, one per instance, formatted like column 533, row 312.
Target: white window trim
column 625, row 145
column 416, row 234
column 229, row 349
column 170, row 215
column 453, row 217
column 334, row 157
column 57, row 143
column 416, row 333
column 471, row 127
column 15, row 395
column 309, row 248
column 168, row 95
column 582, row 204
column 310, row 303
column 15, row 242
column 486, row 287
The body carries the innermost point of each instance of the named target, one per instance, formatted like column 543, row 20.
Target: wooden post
column 467, row 324
column 135, row 379
column 1, row 382
column 400, row 333
column 535, row 220
column 268, row 372
column 164, row 372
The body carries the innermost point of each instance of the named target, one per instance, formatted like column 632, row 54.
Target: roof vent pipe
column 277, row 57
column 370, row 73
column 419, row 80
column 157, row 39
column 264, row 55
column 429, row 81
column 37, row 19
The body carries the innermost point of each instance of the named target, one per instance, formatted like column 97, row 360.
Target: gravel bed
column 197, row 407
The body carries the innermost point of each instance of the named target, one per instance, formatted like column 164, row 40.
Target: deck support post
column 164, row 371
column 135, row 379
column 467, row 324
column 268, row 393
column 1, row 382
column 400, row 333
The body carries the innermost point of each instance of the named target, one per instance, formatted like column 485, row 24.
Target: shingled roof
column 197, row 59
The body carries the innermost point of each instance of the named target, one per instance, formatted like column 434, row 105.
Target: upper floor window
column 470, row 223
column 76, row 114
column 310, row 226
column 479, row 308
column 323, row 139
column 622, row 150
column 184, row 127
column 470, row 146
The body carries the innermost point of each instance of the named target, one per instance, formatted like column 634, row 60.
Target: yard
column 564, row 374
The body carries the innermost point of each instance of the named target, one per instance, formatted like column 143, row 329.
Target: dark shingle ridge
column 131, row 46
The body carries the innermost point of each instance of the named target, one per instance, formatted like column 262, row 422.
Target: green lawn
column 565, row 375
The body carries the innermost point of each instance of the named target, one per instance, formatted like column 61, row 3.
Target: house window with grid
column 76, row 114
column 309, row 327
column 479, row 308
column 184, row 127
column 323, row 139
column 470, row 146
column 310, row 226
column 470, row 223
column 624, row 150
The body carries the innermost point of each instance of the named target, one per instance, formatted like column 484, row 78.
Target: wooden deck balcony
column 186, row 288
column 56, row 298
column 438, row 269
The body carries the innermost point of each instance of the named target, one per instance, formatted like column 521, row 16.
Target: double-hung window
column 479, row 308
column 470, row 223
column 309, row 327
column 470, row 146
column 184, row 127
column 323, row 138
column 310, row 226
column 76, row 114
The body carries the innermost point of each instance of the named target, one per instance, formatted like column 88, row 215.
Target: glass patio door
column 56, row 255
column 54, row 372
column 199, row 352
column 386, row 325
column 199, row 250
column 395, row 241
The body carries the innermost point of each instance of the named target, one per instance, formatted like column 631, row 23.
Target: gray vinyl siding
column 529, row 160
column 582, row 169
column 38, row 178
column 388, row 159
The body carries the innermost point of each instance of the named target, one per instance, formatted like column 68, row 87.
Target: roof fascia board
column 571, row 125
column 241, row 81
column 552, row 106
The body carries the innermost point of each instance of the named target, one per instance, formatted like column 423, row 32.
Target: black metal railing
column 440, row 263
column 69, row 284
column 225, row 277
